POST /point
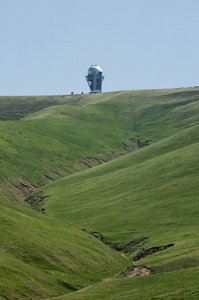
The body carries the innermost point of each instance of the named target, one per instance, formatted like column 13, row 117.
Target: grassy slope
column 175, row 285
column 42, row 257
column 51, row 143
column 149, row 193
column 15, row 108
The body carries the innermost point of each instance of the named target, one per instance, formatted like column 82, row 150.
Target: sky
column 47, row 46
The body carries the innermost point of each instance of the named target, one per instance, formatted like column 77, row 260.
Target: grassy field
column 88, row 130
column 122, row 164
column 41, row 257
column 149, row 193
column 175, row 285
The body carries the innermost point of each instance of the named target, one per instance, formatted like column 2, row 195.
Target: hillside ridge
column 100, row 205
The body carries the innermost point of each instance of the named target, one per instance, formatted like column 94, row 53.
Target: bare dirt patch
column 27, row 186
column 132, row 271
column 140, row 272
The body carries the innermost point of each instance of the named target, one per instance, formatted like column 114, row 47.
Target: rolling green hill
column 151, row 193
column 90, row 130
column 172, row 285
column 42, row 257
column 122, row 166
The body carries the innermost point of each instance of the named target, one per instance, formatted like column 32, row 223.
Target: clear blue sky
column 47, row 46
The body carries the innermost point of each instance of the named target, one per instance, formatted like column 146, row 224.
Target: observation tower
column 94, row 79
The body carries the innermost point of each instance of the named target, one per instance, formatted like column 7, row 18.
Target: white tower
column 95, row 78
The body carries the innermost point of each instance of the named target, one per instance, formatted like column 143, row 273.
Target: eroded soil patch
column 129, row 247
column 132, row 145
column 36, row 200
column 132, row 271
column 145, row 252
column 134, row 246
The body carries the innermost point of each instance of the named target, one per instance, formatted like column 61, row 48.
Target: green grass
column 144, row 194
column 41, row 256
column 151, row 193
column 54, row 142
column 175, row 285
column 15, row 108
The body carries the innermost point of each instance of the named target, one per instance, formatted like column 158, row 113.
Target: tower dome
column 94, row 69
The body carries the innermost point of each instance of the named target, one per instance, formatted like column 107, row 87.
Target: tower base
column 95, row 91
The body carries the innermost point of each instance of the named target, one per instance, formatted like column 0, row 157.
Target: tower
column 95, row 78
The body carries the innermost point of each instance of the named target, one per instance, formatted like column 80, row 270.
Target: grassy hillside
column 42, row 257
column 89, row 130
column 150, row 193
column 141, row 202
column 15, row 108
column 175, row 285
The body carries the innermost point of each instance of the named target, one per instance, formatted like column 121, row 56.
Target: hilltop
column 114, row 180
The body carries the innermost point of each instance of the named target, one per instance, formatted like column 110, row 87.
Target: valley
column 99, row 185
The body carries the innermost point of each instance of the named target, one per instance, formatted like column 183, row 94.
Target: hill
column 61, row 140
column 151, row 194
column 66, row 156
column 15, row 108
column 41, row 257
column 172, row 285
